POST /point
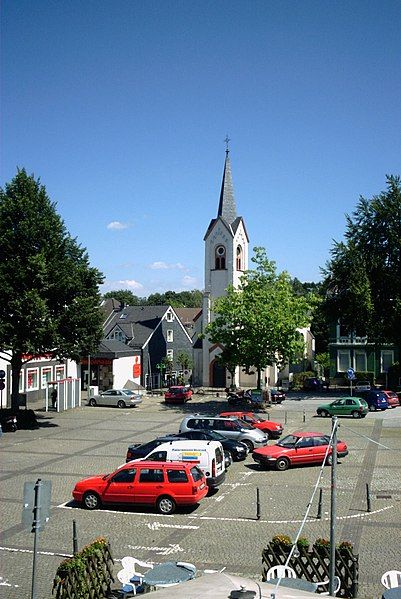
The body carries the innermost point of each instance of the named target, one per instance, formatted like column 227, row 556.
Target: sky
column 121, row 108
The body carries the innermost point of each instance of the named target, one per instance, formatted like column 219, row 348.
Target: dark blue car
column 376, row 400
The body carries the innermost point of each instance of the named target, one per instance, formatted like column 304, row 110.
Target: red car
column 298, row 448
column 392, row 399
column 163, row 484
column 178, row 394
column 273, row 430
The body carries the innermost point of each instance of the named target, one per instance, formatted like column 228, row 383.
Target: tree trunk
column 16, row 365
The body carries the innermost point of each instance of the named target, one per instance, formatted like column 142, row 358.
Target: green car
column 345, row 406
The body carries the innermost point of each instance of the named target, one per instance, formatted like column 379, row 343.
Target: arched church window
column 220, row 257
column 239, row 257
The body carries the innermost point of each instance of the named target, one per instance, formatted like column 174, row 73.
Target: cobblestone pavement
column 223, row 529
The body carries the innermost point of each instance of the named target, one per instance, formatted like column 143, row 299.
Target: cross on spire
column 227, row 139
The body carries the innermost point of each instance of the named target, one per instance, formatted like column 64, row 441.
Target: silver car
column 122, row 398
column 230, row 427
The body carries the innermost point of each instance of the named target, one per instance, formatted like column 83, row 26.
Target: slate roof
column 187, row 315
column 136, row 322
column 109, row 348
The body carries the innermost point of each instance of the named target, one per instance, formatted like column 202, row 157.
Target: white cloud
column 190, row 282
column 131, row 283
column 165, row 266
column 116, row 225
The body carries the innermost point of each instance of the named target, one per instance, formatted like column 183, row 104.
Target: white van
column 207, row 455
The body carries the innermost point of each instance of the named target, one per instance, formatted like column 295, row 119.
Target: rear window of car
column 197, row 473
column 177, row 476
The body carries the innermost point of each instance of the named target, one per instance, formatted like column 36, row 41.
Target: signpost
column 350, row 377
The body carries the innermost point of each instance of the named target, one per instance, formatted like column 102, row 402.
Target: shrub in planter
column 303, row 543
column 322, row 546
column 345, row 547
column 283, row 541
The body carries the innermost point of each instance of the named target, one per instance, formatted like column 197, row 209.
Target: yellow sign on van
column 191, row 455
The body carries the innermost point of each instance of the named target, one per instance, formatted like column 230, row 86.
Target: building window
column 360, row 361
column 220, row 257
column 32, row 379
column 60, row 372
column 386, row 359
column 343, row 360
column 170, row 335
column 117, row 336
column 170, row 354
column 169, row 317
column 46, row 376
column 239, row 257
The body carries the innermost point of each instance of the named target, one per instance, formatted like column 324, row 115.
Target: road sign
column 28, row 516
column 351, row 374
column 2, row 385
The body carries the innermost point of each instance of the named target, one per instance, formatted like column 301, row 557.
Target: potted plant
column 322, row 546
column 345, row 547
column 303, row 544
column 282, row 541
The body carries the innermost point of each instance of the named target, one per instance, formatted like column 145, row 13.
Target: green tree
column 363, row 277
column 49, row 298
column 257, row 323
column 126, row 296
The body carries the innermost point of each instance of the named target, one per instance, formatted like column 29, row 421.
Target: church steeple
column 227, row 206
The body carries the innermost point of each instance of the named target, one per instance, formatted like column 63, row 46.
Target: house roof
column 136, row 322
column 187, row 315
column 109, row 348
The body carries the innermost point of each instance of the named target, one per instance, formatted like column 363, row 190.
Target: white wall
column 123, row 372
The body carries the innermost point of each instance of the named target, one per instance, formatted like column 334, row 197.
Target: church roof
column 227, row 206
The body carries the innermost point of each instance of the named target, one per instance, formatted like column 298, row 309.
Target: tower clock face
column 221, row 250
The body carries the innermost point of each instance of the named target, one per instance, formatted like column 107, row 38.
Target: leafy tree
column 363, row 277
column 257, row 323
column 49, row 299
column 126, row 296
column 184, row 360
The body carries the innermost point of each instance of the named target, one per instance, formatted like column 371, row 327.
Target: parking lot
column 222, row 531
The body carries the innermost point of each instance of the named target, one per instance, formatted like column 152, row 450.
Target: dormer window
column 239, row 257
column 169, row 317
column 220, row 257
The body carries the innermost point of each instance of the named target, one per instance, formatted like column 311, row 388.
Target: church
column 226, row 258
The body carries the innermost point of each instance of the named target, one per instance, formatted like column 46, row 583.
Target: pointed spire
column 227, row 206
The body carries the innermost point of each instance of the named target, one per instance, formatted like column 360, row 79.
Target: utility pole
column 35, row 529
column 333, row 506
column 89, row 377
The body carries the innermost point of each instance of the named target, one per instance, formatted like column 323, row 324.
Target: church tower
column 226, row 258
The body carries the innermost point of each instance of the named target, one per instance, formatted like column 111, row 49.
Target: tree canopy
column 177, row 299
column 49, row 296
column 257, row 323
column 363, row 277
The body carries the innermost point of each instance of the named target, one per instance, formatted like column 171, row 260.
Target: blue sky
column 121, row 108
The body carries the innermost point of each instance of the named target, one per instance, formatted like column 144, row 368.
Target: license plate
column 202, row 486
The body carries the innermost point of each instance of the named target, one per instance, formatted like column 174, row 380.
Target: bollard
column 369, row 509
column 319, row 507
column 285, row 417
column 74, row 537
column 257, row 504
column 304, row 417
column 268, row 415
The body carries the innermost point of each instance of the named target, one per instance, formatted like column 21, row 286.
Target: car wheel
column 355, row 414
column 166, row 505
column 229, row 454
column 282, row 464
column 371, row 407
column 324, row 413
column 92, row 402
column 120, row 403
column 249, row 445
column 91, row 500
column 329, row 460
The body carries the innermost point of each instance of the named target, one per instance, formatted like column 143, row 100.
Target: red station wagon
column 392, row 399
column 163, row 484
column 178, row 394
column 298, row 448
column 272, row 429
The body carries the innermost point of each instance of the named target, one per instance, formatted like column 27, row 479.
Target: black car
column 236, row 449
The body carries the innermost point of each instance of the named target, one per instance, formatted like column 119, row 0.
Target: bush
column 299, row 377
column 303, row 543
column 282, row 540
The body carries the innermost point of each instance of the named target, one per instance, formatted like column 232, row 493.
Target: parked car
column 207, row 455
column 345, row 406
column 162, row 484
column 392, row 398
column 233, row 428
column 137, row 451
column 312, row 383
column 178, row 394
column 362, row 386
column 272, row 429
column 277, row 395
column 376, row 400
column 298, row 448
column 236, row 449
column 122, row 398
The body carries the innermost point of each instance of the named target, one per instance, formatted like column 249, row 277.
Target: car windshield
column 288, row 441
column 176, row 390
column 216, row 436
